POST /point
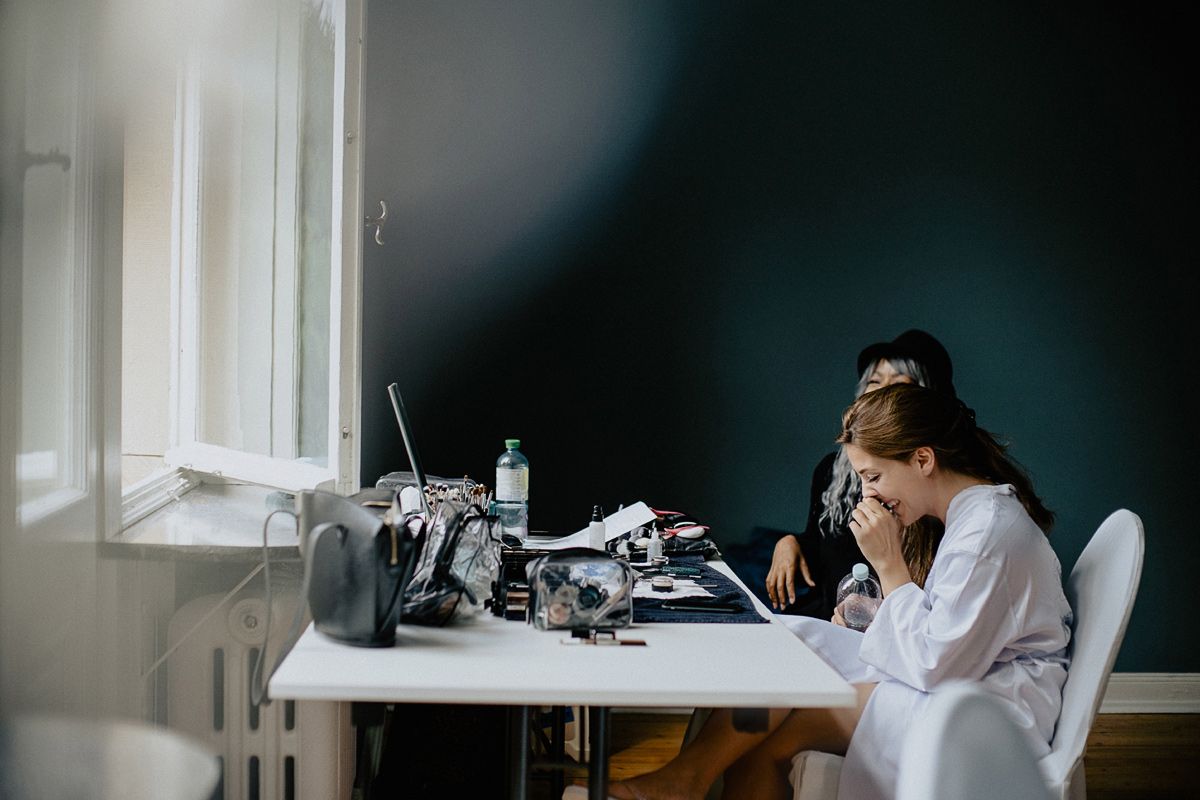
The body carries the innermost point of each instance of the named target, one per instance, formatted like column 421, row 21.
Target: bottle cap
column 512, row 444
column 597, row 514
column 860, row 572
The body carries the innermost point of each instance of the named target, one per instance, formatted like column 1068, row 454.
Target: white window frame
column 192, row 462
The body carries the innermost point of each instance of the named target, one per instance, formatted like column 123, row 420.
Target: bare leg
column 763, row 772
column 719, row 745
column 689, row 774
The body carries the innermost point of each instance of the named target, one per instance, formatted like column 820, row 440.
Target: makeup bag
column 580, row 589
column 459, row 563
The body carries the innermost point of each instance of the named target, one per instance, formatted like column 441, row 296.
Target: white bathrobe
column 992, row 610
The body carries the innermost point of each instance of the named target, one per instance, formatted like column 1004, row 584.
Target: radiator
column 283, row 751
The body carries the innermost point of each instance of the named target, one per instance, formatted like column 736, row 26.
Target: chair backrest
column 1101, row 590
column 968, row 748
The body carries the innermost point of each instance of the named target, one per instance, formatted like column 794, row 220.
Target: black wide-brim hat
column 918, row 346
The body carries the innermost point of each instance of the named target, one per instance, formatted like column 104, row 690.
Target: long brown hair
column 918, row 544
column 892, row 422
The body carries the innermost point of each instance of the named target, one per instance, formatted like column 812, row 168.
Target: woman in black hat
column 825, row 551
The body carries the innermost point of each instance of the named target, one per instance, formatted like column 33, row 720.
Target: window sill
column 212, row 521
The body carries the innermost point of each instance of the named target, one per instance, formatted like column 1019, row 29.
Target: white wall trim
column 1152, row 693
column 1128, row 693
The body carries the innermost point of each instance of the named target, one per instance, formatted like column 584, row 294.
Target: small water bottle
column 858, row 598
column 512, row 490
column 596, row 529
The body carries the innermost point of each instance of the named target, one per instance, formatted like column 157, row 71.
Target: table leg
column 558, row 747
column 370, row 721
column 518, row 752
column 598, row 757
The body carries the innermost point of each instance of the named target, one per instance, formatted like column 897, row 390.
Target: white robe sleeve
column 956, row 632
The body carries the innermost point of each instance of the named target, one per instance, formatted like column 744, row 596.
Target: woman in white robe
column 992, row 609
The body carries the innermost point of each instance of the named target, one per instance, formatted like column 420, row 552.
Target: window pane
column 50, row 466
column 147, row 192
column 264, row 210
column 237, row 233
column 316, row 220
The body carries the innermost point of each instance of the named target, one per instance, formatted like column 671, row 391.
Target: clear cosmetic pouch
column 580, row 588
column 456, row 567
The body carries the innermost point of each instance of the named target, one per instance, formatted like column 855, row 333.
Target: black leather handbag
column 357, row 563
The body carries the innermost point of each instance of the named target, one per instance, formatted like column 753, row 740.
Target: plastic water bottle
column 858, row 598
column 512, row 490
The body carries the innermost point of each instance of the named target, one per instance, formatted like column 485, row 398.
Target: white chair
column 84, row 759
column 966, row 748
column 1101, row 590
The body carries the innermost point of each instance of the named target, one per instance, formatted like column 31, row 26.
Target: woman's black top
column 830, row 554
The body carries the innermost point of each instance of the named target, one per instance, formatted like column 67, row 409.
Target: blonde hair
column 844, row 490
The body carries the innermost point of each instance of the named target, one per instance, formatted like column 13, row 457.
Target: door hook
column 378, row 222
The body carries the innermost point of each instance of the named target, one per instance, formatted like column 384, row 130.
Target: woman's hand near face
column 878, row 533
column 781, row 579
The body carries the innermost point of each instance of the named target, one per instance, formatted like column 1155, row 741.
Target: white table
column 493, row 661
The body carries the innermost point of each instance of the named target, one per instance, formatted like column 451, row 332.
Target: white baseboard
column 1152, row 693
column 1128, row 693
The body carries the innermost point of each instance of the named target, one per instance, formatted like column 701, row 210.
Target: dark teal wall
column 649, row 240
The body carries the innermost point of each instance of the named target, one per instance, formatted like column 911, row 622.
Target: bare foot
column 622, row 791
column 662, row 784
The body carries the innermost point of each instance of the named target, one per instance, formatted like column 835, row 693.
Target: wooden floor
column 1142, row 756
